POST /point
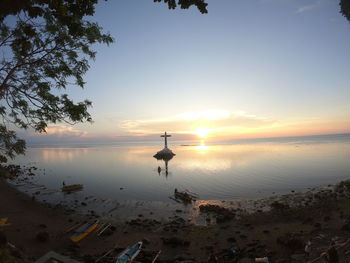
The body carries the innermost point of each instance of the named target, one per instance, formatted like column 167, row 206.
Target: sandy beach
column 279, row 233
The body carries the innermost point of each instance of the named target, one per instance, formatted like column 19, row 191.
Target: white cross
column 165, row 139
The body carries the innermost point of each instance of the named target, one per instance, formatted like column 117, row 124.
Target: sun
column 202, row 132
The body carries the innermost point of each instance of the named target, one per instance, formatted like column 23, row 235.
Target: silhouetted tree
column 345, row 8
column 45, row 48
column 185, row 4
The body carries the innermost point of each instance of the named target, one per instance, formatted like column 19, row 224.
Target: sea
column 126, row 174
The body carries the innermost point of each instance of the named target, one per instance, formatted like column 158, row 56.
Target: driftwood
column 103, row 229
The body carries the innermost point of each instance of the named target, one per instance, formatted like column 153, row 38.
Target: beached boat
column 73, row 187
column 84, row 230
column 130, row 253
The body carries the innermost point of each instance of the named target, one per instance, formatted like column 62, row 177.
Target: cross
column 165, row 139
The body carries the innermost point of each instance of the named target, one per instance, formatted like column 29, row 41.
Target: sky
column 247, row 69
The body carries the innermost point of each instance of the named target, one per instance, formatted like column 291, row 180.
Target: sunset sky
column 248, row 68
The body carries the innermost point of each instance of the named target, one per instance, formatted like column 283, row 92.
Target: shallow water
column 235, row 170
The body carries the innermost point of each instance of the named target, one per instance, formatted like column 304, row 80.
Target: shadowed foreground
column 279, row 234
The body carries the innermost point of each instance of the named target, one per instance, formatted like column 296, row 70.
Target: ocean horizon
column 322, row 138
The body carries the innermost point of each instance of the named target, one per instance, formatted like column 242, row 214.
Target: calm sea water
column 233, row 170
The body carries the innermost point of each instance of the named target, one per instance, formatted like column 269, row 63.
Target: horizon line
column 208, row 140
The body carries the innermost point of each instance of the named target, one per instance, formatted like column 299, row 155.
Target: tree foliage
column 185, row 4
column 45, row 48
column 10, row 145
column 345, row 8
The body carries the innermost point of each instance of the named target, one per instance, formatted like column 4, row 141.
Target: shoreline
column 256, row 233
column 121, row 211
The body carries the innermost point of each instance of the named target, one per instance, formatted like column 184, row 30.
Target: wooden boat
column 185, row 197
column 192, row 194
column 130, row 253
column 84, row 230
column 73, row 187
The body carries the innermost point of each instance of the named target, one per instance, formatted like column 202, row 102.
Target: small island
column 166, row 153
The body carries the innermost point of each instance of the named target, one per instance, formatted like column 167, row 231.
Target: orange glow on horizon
column 211, row 125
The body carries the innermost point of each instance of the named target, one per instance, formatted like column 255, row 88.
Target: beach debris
column 279, row 206
column 291, row 241
column 175, row 241
column 175, row 225
column 231, row 240
column 262, row 260
column 42, row 236
column 3, row 222
column 223, row 214
column 156, row 256
column 346, row 226
column 235, row 251
column 320, row 236
column 212, row 257
column 106, row 254
column 343, row 187
column 104, row 228
column 42, row 225
column 307, row 249
column 98, row 229
column 3, row 239
column 113, row 209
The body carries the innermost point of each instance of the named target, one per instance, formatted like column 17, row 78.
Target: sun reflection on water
column 202, row 147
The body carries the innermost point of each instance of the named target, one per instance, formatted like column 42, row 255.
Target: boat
column 192, row 194
column 183, row 196
column 72, row 187
column 84, row 230
column 130, row 253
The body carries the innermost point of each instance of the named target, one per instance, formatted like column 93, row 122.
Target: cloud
column 188, row 122
column 309, row 7
column 204, row 115
column 60, row 130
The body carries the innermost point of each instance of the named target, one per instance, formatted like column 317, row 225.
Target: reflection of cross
column 166, row 168
column 165, row 139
